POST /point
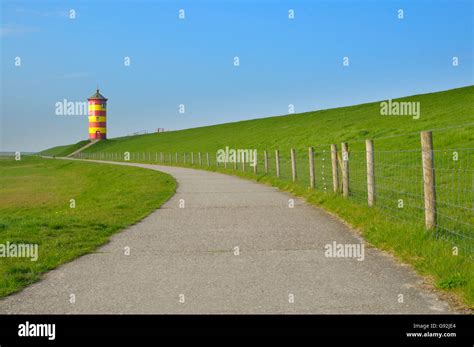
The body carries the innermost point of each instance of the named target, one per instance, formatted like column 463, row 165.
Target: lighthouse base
column 97, row 136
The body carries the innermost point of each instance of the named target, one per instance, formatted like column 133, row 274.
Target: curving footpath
column 235, row 247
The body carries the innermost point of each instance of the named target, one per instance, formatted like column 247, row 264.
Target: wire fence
column 399, row 190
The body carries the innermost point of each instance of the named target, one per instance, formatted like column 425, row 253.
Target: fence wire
column 399, row 191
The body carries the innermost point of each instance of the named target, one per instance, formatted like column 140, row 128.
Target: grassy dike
column 352, row 124
column 62, row 151
column 35, row 200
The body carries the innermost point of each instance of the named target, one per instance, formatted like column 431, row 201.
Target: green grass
column 320, row 128
column 397, row 169
column 62, row 151
column 35, row 208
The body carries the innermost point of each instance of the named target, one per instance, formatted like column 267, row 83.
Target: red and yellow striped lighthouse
column 97, row 117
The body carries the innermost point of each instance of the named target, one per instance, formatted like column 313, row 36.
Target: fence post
column 207, row 158
column 429, row 185
column 311, row 167
column 243, row 161
column 192, row 158
column 184, row 157
column 369, row 148
column 199, row 158
column 345, row 169
column 277, row 162
column 335, row 172
column 176, row 157
column 169, row 156
column 293, row 164
column 265, row 160
column 255, row 162
column 161, row 157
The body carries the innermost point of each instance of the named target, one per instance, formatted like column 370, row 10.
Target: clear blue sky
column 190, row 61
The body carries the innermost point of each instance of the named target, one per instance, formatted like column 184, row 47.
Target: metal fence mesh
column 398, row 180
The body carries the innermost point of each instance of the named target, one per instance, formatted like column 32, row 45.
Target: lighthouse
column 97, row 117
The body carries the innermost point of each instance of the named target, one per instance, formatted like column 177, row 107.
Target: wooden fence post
column 169, row 157
column 293, row 164
column 265, row 160
column 255, row 162
column 192, row 158
column 243, row 161
column 176, row 157
column 369, row 148
column 311, row 166
column 208, row 161
column 161, row 157
column 429, row 184
column 199, row 159
column 184, row 157
column 335, row 172
column 345, row 169
column 277, row 162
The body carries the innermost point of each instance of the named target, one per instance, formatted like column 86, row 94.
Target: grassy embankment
column 398, row 173
column 62, row 151
column 35, row 208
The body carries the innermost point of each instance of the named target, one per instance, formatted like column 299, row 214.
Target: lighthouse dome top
column 97, row 96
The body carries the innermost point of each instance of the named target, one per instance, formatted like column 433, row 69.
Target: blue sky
column 191, row 61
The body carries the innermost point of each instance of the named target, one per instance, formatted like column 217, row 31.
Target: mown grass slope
column 320, row 128
column 62, row 151
column 35, row 208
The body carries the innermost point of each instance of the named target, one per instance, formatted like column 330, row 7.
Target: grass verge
column 35, row 208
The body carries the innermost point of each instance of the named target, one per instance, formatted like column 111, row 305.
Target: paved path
column 190, row 251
